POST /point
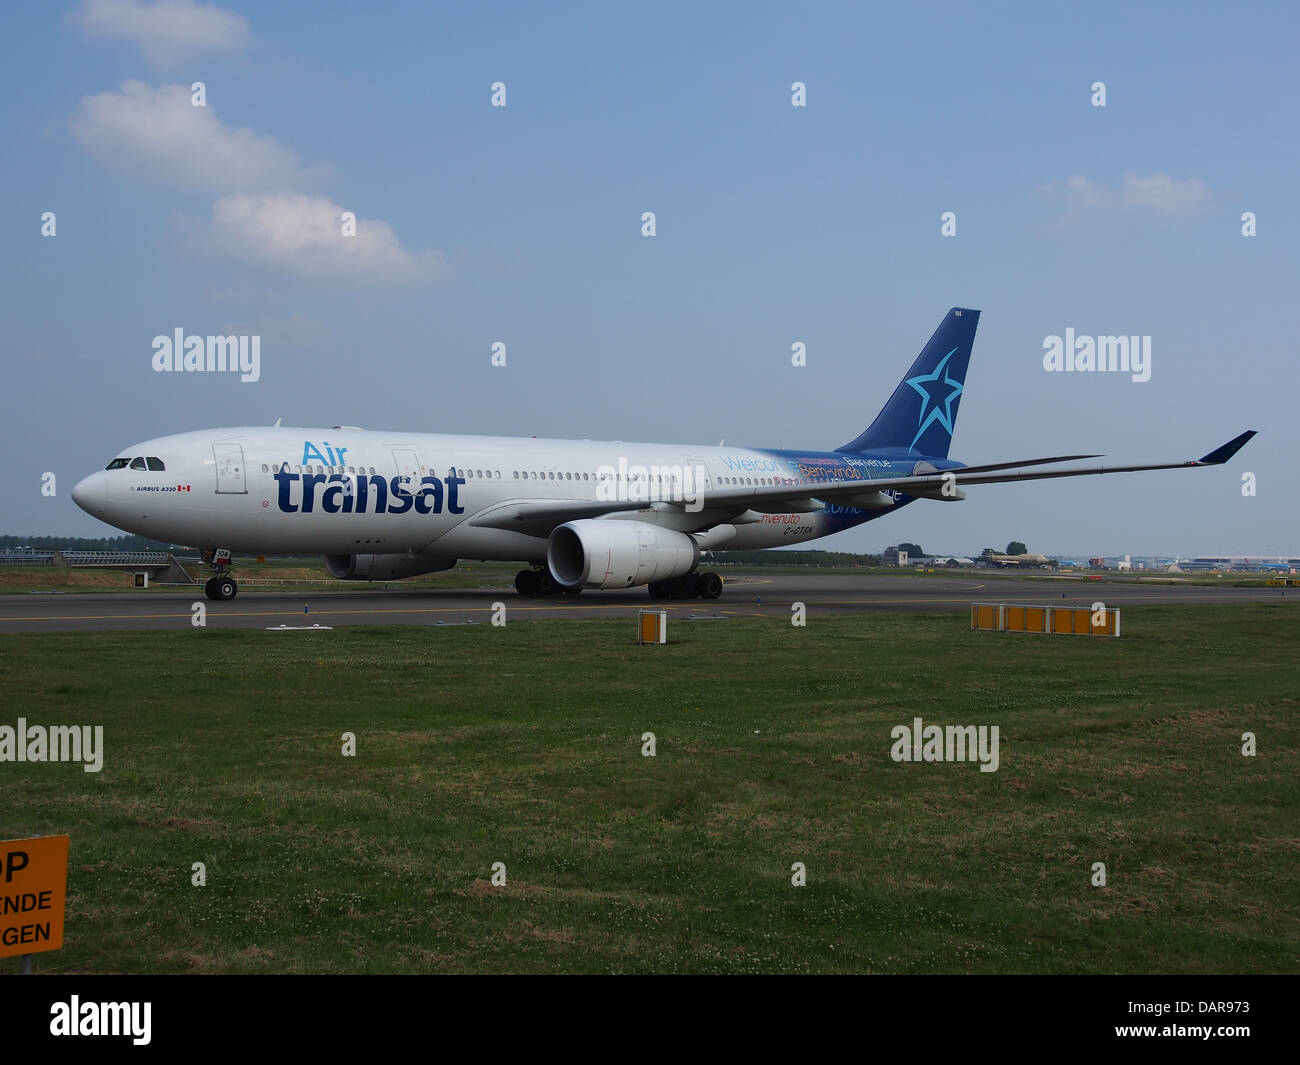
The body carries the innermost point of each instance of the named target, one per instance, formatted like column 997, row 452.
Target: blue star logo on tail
column 932, row 388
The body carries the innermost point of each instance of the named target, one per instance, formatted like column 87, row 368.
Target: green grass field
column 522, row 745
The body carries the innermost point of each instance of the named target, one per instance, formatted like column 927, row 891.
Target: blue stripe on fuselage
column 829, row 467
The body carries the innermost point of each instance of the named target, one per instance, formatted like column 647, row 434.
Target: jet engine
column 611, row 553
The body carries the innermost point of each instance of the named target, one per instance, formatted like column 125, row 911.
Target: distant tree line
column 84, row 543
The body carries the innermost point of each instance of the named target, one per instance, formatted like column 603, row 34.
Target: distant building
column 894, row 557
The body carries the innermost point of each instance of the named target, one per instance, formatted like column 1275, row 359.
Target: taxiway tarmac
column 742, row 597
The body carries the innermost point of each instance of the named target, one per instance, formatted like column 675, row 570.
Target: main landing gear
column 540, row 582
column 222, row 586
column 690, row 586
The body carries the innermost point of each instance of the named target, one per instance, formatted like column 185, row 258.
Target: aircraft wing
column 928, row 482
column 720, row 504
column 538, row 519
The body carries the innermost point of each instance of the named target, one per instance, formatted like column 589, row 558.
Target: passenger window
column 137, row 464
column 264, row 468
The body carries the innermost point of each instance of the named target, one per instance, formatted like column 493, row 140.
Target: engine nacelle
column 384, row 567
column 605, row 553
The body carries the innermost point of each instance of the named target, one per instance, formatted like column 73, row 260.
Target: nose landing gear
column 221, row 587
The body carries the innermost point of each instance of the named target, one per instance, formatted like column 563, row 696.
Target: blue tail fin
column 920, row 415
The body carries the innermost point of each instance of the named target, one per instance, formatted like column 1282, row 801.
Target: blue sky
column 775, row 224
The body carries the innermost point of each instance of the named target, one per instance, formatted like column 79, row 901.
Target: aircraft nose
column 89, row 493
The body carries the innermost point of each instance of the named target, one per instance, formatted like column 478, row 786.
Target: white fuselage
column 353, row 491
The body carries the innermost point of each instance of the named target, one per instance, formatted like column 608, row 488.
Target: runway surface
column 742, row 597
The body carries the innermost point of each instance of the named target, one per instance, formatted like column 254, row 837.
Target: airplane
column 579, row 514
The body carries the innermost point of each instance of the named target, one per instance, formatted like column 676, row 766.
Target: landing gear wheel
column 546, row 583
column 526, row 582
column 222, row 589
column 684, row 587
column 710, row 586
column 660, row 590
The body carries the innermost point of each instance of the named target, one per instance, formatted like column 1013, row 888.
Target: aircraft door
column 697, row 477
column 230, row 469
column 408, row 467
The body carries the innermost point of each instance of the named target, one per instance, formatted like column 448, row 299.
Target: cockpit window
column 155, row 464
column 137, row 464
column 117, row 464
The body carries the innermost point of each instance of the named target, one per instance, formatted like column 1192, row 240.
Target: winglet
column 1220, row 455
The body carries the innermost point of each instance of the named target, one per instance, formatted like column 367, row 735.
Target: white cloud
column 159, row 134
column 304, row 234
column 1083, row 193
column 167, row 31
column 1155, row 192
column 1162, row 193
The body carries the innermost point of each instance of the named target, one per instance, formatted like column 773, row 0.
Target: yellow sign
column 33, row 890
column 653, row 626
column 1083, row 621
